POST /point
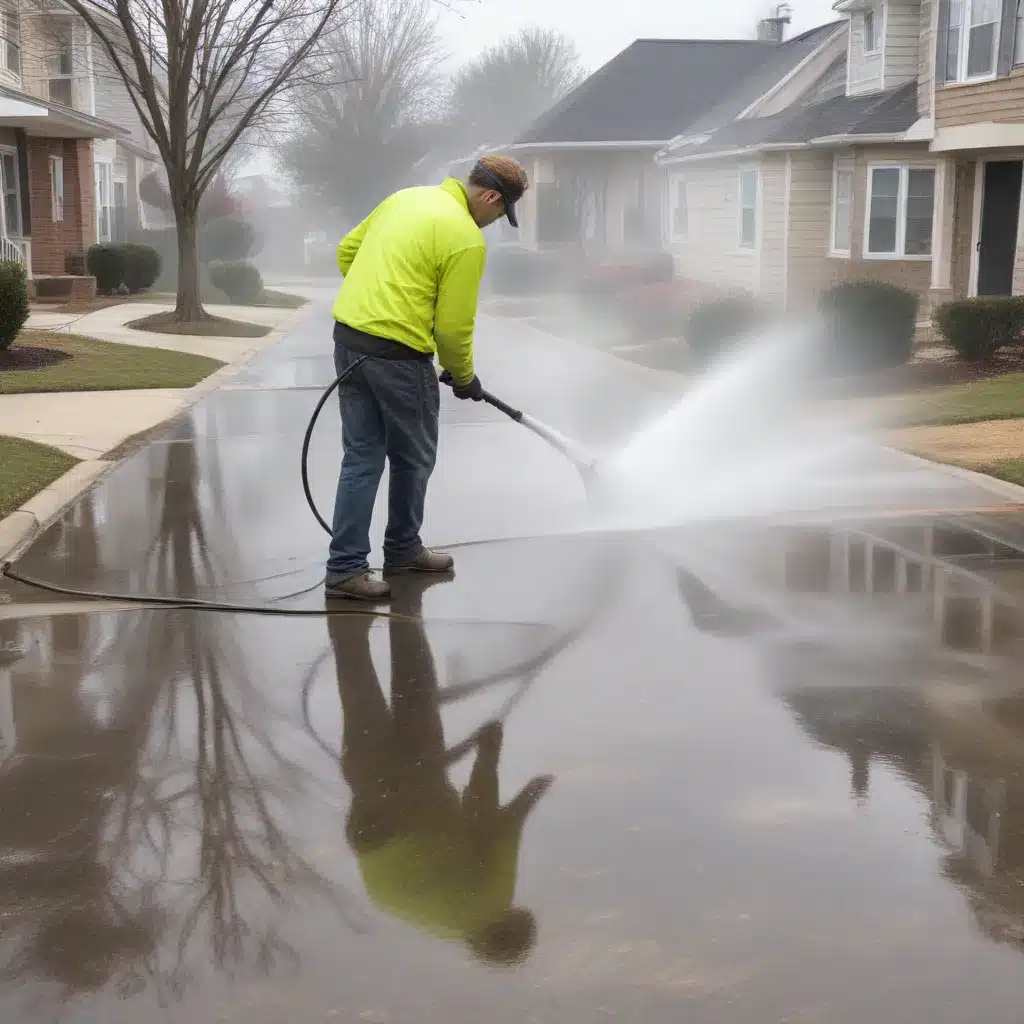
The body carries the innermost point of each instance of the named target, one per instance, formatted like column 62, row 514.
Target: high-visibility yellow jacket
column 412, row 274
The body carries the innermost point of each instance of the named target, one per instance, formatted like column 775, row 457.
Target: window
column 748, row 207
column 59, row 70
column 57, row 187
column 872, row 44
column 10, row 37
column 680, row 210
column 973, row 39
column 842, row 211
column 901, row 207
column 11, row 186
column 104, row 201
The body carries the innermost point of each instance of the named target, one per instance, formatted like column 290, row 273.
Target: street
column 744, row 774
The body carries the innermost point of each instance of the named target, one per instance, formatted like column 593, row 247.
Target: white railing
column 11, row 251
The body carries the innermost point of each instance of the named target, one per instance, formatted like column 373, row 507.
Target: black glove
column 474, row 390
column 446, row 378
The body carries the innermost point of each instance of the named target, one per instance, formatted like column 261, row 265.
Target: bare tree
column 367, row 114
column 507, row 87
column 203, row 74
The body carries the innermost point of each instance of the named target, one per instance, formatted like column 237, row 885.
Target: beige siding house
column 911, row 173
column 808, row 170
column 591, row 158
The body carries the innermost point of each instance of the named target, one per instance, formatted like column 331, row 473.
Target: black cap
column 509, row 193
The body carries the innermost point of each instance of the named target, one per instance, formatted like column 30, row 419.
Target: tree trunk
column 189, row 306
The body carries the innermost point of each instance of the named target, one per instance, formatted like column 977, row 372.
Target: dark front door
column 997, row 248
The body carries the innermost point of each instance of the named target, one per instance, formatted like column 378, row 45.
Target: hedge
column 128, row 264
column 978, row 328
column 870, row 326
column 714, row 326
column 13, row 301
column 240, row 281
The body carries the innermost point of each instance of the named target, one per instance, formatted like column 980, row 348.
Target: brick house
column 72, row 147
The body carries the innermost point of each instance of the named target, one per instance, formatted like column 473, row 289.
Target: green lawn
column 1009, row 469
column 90, row 365
column 28, row 468
column 1001, row 398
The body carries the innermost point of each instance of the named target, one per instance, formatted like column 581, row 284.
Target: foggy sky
column 602, row 28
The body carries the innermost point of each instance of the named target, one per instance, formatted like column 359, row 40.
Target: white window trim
column 5, row 230
column 741, row 245
column 901, row 211
column 5, row 14
column 676, row 182
column 109, row 205
column 1018, row 38
column 841, row 167
column 57, row 198
column 878, row 15
column 962, row 78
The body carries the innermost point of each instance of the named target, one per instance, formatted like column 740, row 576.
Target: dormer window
column 973, row 39
column 872, row 35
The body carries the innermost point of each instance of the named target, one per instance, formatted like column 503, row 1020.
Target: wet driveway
column 744, row 774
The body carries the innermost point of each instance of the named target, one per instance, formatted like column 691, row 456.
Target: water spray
column 584, row 461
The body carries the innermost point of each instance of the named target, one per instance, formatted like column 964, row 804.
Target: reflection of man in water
column 442, row 861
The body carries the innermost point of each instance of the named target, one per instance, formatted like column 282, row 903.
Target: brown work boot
column 362, row 587
column 426, row 561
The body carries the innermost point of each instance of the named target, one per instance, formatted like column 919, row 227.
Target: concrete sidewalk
column 111, row 325
column 90, row 424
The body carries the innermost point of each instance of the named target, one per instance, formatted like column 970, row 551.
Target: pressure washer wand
column 583, row 460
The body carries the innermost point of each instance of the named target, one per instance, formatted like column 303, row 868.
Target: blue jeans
column 389, row 409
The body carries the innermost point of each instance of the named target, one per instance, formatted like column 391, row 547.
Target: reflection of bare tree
column 156, row 829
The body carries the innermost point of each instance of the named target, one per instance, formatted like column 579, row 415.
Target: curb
column 19, row 529
column 1003, row 488
column 22, row 526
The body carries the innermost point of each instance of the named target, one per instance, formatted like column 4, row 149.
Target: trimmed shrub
column 652, row 311
column 240, row 281
column 227, row 240
column 13, row 301
column 141, row 266
column 106, row 264
column 869, row 326
column 716, row 325
column 978, row 328
column 512, row 270
column 75, row 263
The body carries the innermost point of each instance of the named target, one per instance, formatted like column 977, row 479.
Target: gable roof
column 782, row 61
column 656, row 88
column 886, row 113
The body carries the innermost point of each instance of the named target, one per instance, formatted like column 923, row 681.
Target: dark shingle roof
column 885, row 113
column 657, row 88
column 758, row 81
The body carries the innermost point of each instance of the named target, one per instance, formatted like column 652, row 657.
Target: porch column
column 528, row 207
column 942, row 234
column 80, row 191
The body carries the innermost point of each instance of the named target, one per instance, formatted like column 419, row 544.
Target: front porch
column 978, row 226
column 49, row 207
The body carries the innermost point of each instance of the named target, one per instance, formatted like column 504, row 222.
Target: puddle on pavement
column 744, row 774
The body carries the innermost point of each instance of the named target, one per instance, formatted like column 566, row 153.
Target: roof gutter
column 729, row 154
column 624, row 145
column 879, row 138
column 784, row 147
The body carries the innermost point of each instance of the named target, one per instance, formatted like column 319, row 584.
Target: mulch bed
column 935, row 371
column 31, row 358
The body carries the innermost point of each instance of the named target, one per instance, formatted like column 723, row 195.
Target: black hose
column 197, row 604
column 338, row 381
